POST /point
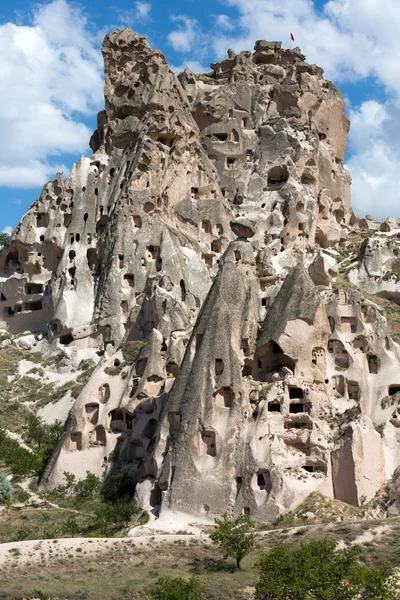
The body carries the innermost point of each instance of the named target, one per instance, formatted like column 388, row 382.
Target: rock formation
column 192, row 257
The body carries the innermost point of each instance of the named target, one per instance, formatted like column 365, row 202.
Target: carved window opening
column 274, row 406
column 129, row 278
column 140, row 366
column 116, row 420
column 199, row 339
column 67, row 220
column 152, row 252
column 216, row 246
column 353, row 390
column 208, row 259
column 219, row 366
column 299, row 407
column 361, row 343
column 220, row 137
column 34, row 288
column 42, row 220
column 92, row 413
column 156, row 498
column 135, row 450
column 264, row 481
column 245, row 346
column 318, row 356
column 272, row 359
column 134, row 388
column 183, row 290
column 348, row 324
column 137, row 221
column 230, row 163
column 172, row 369
column 338, row 384
column 100, row 436
column 121, row 261
column 278, row 175
column 166, row 140
column 150, row 428
column 206, row 226
column 373, row 363
column 393, row 389
column 104, row 392
column 209, row 443
column 295, row 392
column 239, row 484
column 237, row 255
column 224, row 397
column 194, row 193
column 75, row 441
column 298, row 424
column 66, row 339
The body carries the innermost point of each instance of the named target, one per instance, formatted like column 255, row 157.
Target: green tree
column 4, row 240
column 70, row 482
column 70, row 526
column 125, row 509
column 317, row 571
column 5, row 489
column 176, row 588
column 120, row 511
column 88, row 486
column 235, row 538
column 37, row 430
column 117, row 485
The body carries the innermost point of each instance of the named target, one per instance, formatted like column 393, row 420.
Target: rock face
column 377, row 268
column 192, row 257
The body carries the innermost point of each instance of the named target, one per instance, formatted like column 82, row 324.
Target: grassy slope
column 122, row 570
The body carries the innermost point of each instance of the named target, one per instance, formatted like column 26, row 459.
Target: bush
column 70, row 527
column 119, row 511
column 317, row 571
column 235, row 538
column 176, row 588
column 88, row 486
column 118, row 485
column 5, row 489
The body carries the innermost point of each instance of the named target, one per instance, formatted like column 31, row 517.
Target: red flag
column 292, row 37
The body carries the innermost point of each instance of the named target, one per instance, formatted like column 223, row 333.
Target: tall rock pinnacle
column 192, row 258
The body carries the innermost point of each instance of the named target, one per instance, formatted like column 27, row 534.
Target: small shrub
column 176, row 588
column 5, row 489
column 70, row 527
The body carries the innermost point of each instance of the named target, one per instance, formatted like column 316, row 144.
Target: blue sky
column 51, row 77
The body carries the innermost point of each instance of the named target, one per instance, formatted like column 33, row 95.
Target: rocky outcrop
column 377, row 268
column 192, row 257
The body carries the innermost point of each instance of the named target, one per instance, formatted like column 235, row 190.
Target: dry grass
column 121, row 571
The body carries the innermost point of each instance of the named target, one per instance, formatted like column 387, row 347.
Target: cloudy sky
column 51, row 77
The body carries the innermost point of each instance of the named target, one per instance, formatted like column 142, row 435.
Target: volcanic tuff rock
column 192, row 257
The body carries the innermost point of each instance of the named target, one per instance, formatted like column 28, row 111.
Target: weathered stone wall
column 193, row 255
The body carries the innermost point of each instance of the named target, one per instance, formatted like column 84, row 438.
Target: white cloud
column 193, row 65
column 224, row 22
column 50, row 77
column 375, row 161
column 143, row 9
column 182, row 38
column 8, row 230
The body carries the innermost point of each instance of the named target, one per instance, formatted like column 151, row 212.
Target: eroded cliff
column 192, row 258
